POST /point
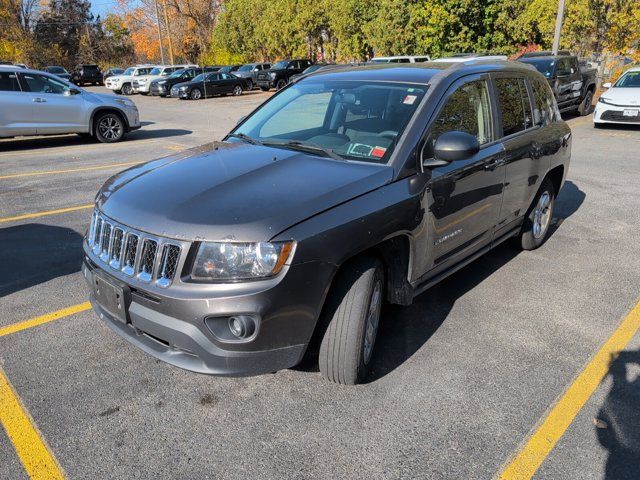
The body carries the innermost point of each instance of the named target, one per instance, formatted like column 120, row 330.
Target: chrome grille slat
column 144, row 257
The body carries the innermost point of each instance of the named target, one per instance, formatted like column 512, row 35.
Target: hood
column 181, row 84
column 102, row 97
column 233, row 191
column 627, row 96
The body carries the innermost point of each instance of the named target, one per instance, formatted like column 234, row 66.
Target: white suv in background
column 142, row 83
column 38, row 103
column 123, row 83
column 402, row 59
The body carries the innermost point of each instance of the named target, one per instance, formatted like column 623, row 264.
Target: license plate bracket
column 629, row 112
column 114, row 298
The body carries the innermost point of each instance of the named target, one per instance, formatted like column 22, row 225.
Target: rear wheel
column 538, row 219
column 127, row 89
column 109, row 127
column 237, row 90
column 196, row 94
column 353, row 310
column 585, row 107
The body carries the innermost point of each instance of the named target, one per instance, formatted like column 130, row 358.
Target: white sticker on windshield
column 409, row 99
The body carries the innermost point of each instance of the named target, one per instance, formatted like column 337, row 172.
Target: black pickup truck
column 280, row 73
column 572, row 85
column 84, row 74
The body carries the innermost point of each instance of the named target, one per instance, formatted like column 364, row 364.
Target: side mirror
column 606, row 85
column 72, row 91
column 452, row 146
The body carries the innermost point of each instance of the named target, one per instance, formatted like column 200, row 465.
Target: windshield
column 177, row 73
column 353, row 120
column 280, row 65
column 199, row 78
column 129, row 71
column 155, row 71
column 543, row 65
column 629, row 80
column 56, row 70
column 246, row 68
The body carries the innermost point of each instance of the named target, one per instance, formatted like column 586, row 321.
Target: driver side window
column 466, row 110
column 44, row 84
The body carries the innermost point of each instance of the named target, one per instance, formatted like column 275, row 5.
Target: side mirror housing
column 606, row 85
column 452, row 146
column 72, row 91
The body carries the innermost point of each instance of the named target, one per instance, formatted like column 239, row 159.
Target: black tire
column 108, row 127
column 537, row 222
column 249, row 85
column 118, row 92
column 586, row 106
column 127, row 89
column 237, row 91
column 280, row 84
column 85, row 136
column 195, row 94
column 144, row 93
column 353, row 313
column 264, row 89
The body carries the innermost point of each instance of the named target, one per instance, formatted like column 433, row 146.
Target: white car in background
column 467, row 57
column 142, row 83
column 621, row 102
column 124, row 83
column 401, row 59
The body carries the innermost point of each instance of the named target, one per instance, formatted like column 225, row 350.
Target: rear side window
column 544, row 102
column 9, row 82
column 514, row 105
column 466, row 110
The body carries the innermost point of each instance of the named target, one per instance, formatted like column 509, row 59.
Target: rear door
column 520, row 135
column 16, row 113
column 55, row 111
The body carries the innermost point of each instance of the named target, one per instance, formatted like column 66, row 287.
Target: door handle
column 39, row 100
column 498, row 162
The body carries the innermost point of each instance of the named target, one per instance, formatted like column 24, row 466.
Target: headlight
column 184, row 88
column 272, row 75
column 126, row 102
column 162, row 82
column 240, row 261
column 602, row 100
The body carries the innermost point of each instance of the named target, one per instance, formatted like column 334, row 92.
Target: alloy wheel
column 110, row 127
column 237, row 90
column 542, row 214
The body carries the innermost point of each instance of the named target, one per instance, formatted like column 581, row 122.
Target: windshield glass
column 56, row 70
column 354, row 120
column 629, row 80
column 177, row 73
column 543, row 65
column 155, row 71
column 246, row 68
column 129, row 71
column 199, row 78
column 280, row 65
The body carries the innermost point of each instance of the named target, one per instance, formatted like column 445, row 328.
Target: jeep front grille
column 136, row 254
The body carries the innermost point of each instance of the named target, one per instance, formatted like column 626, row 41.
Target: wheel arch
column 117, row 111
column 556, row 175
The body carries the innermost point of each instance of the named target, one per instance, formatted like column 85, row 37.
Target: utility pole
column 556, row 36
column 159, row 32
column 166, row 22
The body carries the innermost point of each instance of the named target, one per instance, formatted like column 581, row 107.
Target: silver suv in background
column 38, row 103
column 142, row 83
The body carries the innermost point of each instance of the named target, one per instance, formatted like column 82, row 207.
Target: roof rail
column 545, row 53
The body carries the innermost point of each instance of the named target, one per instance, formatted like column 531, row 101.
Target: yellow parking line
column 68, row 170
column 529, row 458
column 34, row 454
column 44, row 214
column 49, row 317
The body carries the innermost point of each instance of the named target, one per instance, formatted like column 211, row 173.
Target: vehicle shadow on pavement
column 404, row 330
column 33, row 253
column 31, row 143
column 618, row 422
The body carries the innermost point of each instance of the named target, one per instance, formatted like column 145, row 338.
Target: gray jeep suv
column 37, row 103
column 348, row 188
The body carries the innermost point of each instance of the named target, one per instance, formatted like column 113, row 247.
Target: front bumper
column 113, row 85
column 177, row 93
column 174, row 324
column 607, row 113
column 156, row 90
column 265, row 83
column 140, row 87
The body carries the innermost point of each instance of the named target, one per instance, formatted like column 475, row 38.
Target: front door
column 55, row 110
column 16, row 114
column 464, row 197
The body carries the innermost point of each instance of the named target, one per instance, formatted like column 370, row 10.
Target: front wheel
column 281, row 84
column 127, row 89
column 538, row 219
column 353, row 310
column 237, row 90
column 264, row 89
column 196, row 94
column 585, row 107
column 249, row 84
column 109, row 127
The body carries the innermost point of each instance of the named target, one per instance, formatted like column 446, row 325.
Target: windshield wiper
column 307, row 147
column 246, row 138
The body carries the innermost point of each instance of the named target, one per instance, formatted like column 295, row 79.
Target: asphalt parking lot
column 462, row 380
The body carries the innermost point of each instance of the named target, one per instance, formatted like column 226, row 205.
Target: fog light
column 242, row 326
